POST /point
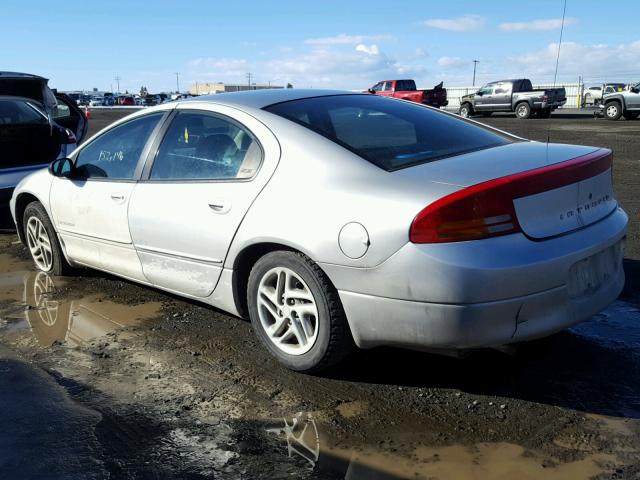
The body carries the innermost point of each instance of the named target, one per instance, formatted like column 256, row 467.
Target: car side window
column 115, row 154
column 388, row 86
column 378, row 87
column 487, row 90
column 205, row 146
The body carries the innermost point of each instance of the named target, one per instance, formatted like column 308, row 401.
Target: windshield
column 389, row 133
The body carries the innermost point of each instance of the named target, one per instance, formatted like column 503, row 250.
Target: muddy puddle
column 307, row 441
column 31, row 302
column 191, row 392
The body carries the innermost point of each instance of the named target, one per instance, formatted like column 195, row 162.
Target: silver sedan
column 334, row 219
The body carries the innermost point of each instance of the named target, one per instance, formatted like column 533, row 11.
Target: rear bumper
column 386, row 321
column 482, row 293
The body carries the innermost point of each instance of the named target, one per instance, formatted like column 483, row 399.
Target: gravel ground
column 167, row 388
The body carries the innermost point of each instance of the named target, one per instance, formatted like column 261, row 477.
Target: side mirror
column 479, row 93
column 62, row 167
column 635, row 90
column 371, row 90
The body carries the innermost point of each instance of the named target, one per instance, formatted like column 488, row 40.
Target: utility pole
column 177, row 82
column 249, row 75
column 475, row 62
column 117, row 79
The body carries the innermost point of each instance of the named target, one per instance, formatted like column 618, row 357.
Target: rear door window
column 205, row 146
column 386, row 132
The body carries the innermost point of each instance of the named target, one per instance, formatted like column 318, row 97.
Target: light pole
column 117, row 79
column 475, row 62
column 177, row 82
column 249, row 75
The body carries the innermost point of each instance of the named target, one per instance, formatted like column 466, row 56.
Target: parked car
column 513, row 96
column 126, row 100
column 109, row 99
column 36, row 127
column 333, row 219
column 406, row 90
column 96, row 101
column 151, row 100
column 593, row 95
column 622, row 104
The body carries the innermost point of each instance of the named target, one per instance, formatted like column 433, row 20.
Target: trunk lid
column 557, row 188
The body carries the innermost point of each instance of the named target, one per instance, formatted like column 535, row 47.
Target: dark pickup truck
column 513, row 96
column 406, row 90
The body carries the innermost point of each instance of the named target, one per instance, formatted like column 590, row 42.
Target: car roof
column 21, row 75
column 263, row 98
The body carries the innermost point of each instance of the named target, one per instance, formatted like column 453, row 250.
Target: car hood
column 468, row 97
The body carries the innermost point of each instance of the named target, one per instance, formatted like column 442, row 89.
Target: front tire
column 42, row 241
column 296, row 312
column 613, row 111
column 466, row 110
column 523, row 111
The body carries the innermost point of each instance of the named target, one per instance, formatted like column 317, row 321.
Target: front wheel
column 296, row 312
column 612, row 111
column 42, row 241
column 465, row 110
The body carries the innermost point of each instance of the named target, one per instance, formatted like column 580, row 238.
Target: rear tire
column 613, row 111
column 630, row 115
column 466, row 110
column 523, row 110
column 42, row 241
column 296, row 312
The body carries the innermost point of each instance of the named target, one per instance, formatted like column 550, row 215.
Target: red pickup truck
column 406, row 90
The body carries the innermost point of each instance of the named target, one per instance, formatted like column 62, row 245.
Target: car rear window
column 19, row 112
column 389, row 133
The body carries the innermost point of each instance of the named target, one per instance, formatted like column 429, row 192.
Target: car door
column 197, row 186
column 632, row 98
column 67, row 114
column 89, row 209
column 501, row 98
column 484, row 99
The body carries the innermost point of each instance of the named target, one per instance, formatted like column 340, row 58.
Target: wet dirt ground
column 102, row 378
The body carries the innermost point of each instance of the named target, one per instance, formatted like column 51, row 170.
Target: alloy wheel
column 287, row 310
column 39, row 244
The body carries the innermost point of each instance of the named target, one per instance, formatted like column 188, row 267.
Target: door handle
column 118, row 197
column 220, row 206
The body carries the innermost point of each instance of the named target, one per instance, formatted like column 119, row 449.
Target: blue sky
column 338, row 44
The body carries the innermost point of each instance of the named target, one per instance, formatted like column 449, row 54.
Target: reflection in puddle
column 306, row 439
column 302, row 437
column 74, row 322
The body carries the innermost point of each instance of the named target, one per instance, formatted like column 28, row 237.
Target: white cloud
column 537, row 25
column 420, row 53
column 452, row 62
column 369, row 50
column 344, row 39
column 459, row 24
column 579, row 59
column 337, row 66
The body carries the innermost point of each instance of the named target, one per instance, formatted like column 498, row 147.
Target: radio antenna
column 555, row 75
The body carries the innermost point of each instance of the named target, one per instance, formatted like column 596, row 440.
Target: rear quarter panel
column 319, row 187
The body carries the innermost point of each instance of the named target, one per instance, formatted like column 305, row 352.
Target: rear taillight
column 486, row 209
